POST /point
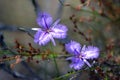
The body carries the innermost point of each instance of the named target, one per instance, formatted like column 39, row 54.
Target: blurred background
column 90, row 22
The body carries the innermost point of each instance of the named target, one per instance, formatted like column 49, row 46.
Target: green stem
column 56, row 66
column 66, row 75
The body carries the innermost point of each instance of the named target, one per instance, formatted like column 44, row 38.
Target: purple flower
column 48, row 30
column 81, row 54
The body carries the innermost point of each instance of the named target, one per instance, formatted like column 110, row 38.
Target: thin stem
column 91, row 12
column 56, row 66
column 36, row 6
column 66, row 75
column 61, row 2
column 24, row 30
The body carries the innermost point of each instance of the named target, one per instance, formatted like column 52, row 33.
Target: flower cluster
column 50, row 30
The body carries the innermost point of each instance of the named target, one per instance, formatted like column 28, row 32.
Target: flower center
column 48, row 30
column 80, row 56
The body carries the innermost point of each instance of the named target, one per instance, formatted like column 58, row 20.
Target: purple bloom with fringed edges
column 81, row 54
column 48, row 30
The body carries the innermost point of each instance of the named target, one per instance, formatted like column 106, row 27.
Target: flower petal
column 90, row 52
column 56, row 23
column 77, row 63
column 73, row 47
column 35, row 29
column 37, row 35
column 59, row 31
column 87, row 62
column 41, row 37
column 52, row 39
column 44, row 20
